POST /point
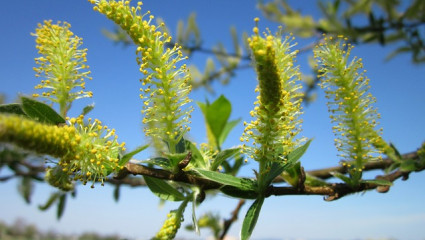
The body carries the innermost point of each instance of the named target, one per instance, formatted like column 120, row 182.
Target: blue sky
column 398, row 86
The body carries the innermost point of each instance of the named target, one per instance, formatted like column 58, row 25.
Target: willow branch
column 228, row 222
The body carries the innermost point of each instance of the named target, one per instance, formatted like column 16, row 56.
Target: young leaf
column 226, row 179
column 381, row 182
column 227, row 128
column 251, row 218
column 275, row 170
column 14, row 108
column 159, row 161
column 298, row 153
column 163, row 190
column 87, row 109
column 41, row 112
column 53, row 197
column 194, row 220
column 124, row 159
column 117, row 193
column 222, row 156
column 290, row 175
column 181, row 146
column 216, row 115
column 61, row 206
column 26, row 189
column 197, row 158
column 342, row 177
column 237, row 193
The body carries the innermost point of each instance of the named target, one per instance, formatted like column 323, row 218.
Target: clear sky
column 398, row 86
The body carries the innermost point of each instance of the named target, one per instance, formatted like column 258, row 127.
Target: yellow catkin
column 276, row 124
column 61, row 65
column 75, row 145
column 166, row 81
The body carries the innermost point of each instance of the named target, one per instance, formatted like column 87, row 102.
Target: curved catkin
column 41, row 138
column 86, row 151
column 166, row 81
column 170, row 227
column 276, row 125
column 350, row 104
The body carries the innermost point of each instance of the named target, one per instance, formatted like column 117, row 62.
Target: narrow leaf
column 14, row 108
column 61, row 206
column 26, row 189
column 117, row 193
column 342, row 177
column 237, row 193
column 87, row 109
column 378, row 182
column 194, row 220
column 217, row 115
column 298, row 153
column 163, row 190
column 226, row 179
column 229, row 126
column 197, row 158
column 275, row 170
column 52, row 199
column 124, row 159
column 41, row 112
column 251, row 218
column 222, row 156
column 159, row 161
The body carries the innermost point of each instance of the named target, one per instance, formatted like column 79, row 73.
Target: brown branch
column 186, row 177
column 228, row 222
column 337, row 190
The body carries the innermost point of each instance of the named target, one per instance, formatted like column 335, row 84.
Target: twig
column 228, row 222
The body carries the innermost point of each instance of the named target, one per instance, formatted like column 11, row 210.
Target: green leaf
column 159, row 161
column 216, row 116
column 222, row 156
column 298, row 153
column 117, row 193
column 197, row 158
column 229, row 126
column 251, row 218
column 237, row 193
column 176, row 158
column 163, row 190
column 277, row 168
column 378, row 182
column 194, row 220
column 292, row 175
column 41, row 112
column 181, row 146
column 87, row 109
column 342, row 177
column 124, row 159
column 314, row 181
column 52, row 199
column 14, row 108
column 26, row 189
column 408, row 165
column 61, row 206
column 226, row 179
